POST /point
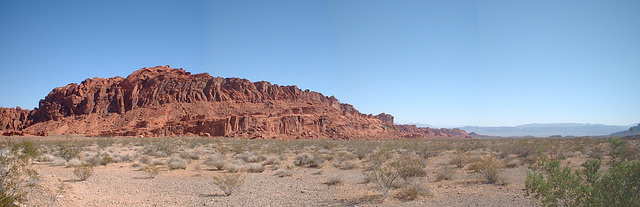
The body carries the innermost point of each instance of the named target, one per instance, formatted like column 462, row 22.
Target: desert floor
column 274, row 174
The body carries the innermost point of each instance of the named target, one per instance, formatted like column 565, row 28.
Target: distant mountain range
column 546, row 130
column 632, row 131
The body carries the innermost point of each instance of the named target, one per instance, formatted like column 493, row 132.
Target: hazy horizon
column 460, row 63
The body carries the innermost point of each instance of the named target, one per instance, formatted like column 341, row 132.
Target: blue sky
column 445, row 63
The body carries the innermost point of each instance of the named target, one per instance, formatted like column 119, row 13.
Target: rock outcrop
column 163, row 101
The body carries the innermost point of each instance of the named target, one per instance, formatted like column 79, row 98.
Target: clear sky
column 445, row 63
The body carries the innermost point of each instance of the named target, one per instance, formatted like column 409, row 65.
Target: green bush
column 69, row 151
column 555, row 185
column 15, row 172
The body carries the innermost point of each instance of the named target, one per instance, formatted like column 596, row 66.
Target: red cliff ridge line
column 163, row 101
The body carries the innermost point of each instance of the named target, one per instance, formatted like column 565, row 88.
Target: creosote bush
column 555, row 185
column 489, row 167
column 15, row 172
column 228, row 183
column 83, row 171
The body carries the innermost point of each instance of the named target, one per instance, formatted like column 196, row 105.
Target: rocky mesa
column 164, row 101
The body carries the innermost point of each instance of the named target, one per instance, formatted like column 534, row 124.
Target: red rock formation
column 162, row 101
column 14, row 119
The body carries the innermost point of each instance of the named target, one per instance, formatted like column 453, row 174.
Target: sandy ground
column 120, row 184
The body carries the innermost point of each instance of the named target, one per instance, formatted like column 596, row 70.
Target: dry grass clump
column 151, row 170
column 228, row 183
column 334, row 180
column 255, row 168
column 412, row 191
column 283, row 173
column 177, row 163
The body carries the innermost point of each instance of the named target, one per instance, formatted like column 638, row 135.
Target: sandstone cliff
column 163, row 101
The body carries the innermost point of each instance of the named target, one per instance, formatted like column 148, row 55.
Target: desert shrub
column 46, row 158
column 83, row 171
column 489, row 167
column 228, row 183
column 106, row 160
column 242, row 156
column 303, row 159
column 347, row 165
column 75, row 162
column 157, row 162
column 284, row 173
column 126, row 157
column 272, row 160
column 308, row 160
column 334, row 180
column 28, row 148
column 377, row 158
column 160, row 148
column 459, row 160
column 68, row 151
column 150, row 170
column 190, row 154
column 58, row 161
column 136, row 164
column 216, row 160
column 92, row 159
column 596, row 152
column 512, row 162
column 555, row 185
column 444, row 173
column 408, row 167
column 15, row 171
column 176, row 163
column 103, row 143
column 234, row 166
column 383, row 177
column 144, row 159
column 411, row 191
column 255, row 168
column 344, row 155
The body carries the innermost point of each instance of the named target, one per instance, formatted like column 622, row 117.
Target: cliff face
column 163, row 101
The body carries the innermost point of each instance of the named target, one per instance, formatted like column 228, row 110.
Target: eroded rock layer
column 163, row 101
